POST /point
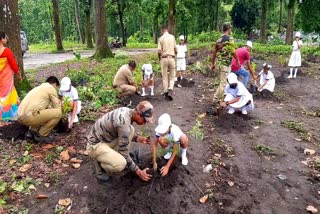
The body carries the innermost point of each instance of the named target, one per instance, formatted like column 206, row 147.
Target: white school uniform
column 173, row 136
column 73, row 96
column 240, row 91
column 181, row 57
column 269, row 78
column 147, row 71
column 295, row 58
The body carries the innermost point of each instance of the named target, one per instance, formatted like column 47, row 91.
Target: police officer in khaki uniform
column 167, row 50
column 110, row 139
column 123, row 81
column 224, row 50
column 41, row 110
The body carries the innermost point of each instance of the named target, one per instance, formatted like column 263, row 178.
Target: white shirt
column 182, row 50
column 239, row 91
column 72, row 94
column 267, row 77
column 147, row 71
column 174, row 135
column 295, row 45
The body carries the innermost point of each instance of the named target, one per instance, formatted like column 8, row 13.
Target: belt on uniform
column 167, row 56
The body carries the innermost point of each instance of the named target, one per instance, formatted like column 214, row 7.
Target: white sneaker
column 290, row 76
column 143, row 94
column 244, row 110
column 231, row 111
column 294, row 76
column 152, row 94
column 184, row 160
column 167, row 156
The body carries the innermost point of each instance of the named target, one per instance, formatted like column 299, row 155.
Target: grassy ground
column 51, row 47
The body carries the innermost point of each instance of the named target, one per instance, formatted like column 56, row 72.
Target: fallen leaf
column 82, row 152
column 72, row 150
column 309, row 151
column 305, row 163
column 64, row 155
column 25, row 153
column 42, row 196
column 204, row 199
column 37, row 155
column 311, row 209
column 11, row 162
column 57, row 161
column 298, row 139
column 47, row 185
column 65, row 165
column 32, row 187
column 76, row 165
column 270, row 122
column 25, row 167
column 217, row 155
column 75, row 160
column 202, row 115
column 65, row 202
column 279, row 107
column 48, row 146
column 256, row 127
column 230, row 183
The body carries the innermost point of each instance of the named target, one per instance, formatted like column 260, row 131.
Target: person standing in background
column 295, row 59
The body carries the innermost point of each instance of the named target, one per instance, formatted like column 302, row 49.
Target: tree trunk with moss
column 87, row 11
column 102, row 48
column 10, row 24
column 289, row 33
column 57, row 27
column 172, row 16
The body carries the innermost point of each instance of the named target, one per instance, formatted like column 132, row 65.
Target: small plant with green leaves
column 50, row 157
column 258, row 122
column 263, row 149
column 66, row 108
column 197, row 131
column 220, row 146
column 299, row 128
column 23, row 160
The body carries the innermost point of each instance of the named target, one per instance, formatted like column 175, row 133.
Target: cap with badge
column 145, row 108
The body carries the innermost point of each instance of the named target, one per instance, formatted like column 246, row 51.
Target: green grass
column 299, row 128
column 263, row 149
column 51, row 47
column 141, row 45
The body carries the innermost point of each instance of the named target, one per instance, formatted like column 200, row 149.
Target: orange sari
column 9, row 99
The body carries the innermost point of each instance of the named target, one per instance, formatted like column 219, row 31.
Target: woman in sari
column 9, row 99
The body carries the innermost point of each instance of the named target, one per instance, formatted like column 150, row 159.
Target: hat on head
column 148, row 69
column 232, row 78
column 65, row 84
column 145, row 108
column 298, row 34
column 164, row 123
column 249, row 44
column 267, row 65
column 181, row 37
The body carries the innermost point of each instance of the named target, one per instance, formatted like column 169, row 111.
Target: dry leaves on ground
column 64, row 155
column 204, row 199
column 25, row 167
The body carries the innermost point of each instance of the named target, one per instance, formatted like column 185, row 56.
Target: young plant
column 263, row 149
column 299, row 128
column 66, row 108
column 197, row 131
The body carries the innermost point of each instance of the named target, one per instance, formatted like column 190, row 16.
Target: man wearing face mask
column 237, row 97
column 110, row 139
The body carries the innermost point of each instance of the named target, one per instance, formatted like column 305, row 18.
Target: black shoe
column 43, row 139
column 170, row 95
column 29, row 134
column 103, row 177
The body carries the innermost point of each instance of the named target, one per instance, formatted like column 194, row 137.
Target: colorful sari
column 9, row 99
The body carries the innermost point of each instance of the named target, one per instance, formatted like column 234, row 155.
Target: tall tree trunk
column 10, row 24
column 57, row 27
column 88, row 24
column 172, row 16
column 217, row 16
column 155, row 28
column 263, row 25
column 100, row 27
column 289, row 33
column 280, row 16
column 123, row 30
column 77, row 18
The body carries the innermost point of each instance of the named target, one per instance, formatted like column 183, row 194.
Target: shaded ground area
column 259, row 165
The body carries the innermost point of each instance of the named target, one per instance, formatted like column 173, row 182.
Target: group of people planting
column 112, row 135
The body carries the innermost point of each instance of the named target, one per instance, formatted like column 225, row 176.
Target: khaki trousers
column 168, row 72
column 45, row 119
column 223, row 73
column 126, row 90
column 106, row 154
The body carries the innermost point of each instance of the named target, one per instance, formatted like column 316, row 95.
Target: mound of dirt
column 14, row 130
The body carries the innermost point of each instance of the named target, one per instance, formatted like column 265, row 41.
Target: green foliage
column 308, row 16
column 197, row 131
column 66, row 108
column 244, row 14
column 140, row 37
column 263, row 149
column 141, row 45
column 204, row 37
column 299, row 128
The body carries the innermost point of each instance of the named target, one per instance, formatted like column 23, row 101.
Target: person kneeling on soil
column 147, row 79
column 169, row 135
column 267, row 81
column 123, row 81
column 41, row 110
column 236, row 96
column 67, row 91
column 110, row 139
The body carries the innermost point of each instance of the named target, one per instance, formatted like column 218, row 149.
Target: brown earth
column 244, row 179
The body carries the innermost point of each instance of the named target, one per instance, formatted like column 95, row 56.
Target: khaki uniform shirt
column 39, row 98
column 225, row 54
column 123, row 76
column 113, row 125
column 167, row 44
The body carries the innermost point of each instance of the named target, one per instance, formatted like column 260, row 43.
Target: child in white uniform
column 295, row 59
column 147, row 79
column 237, row 96
column 169, row 136
column 181, row 58
column 267, row 81
column 67, row 90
